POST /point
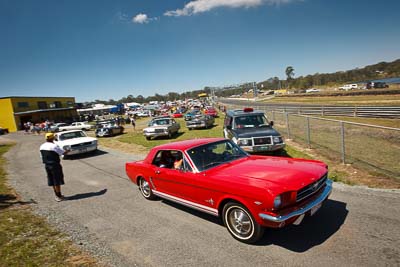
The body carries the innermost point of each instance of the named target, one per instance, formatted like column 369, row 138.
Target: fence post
column 308, row 132
column 273, row 115
column 342, row 142
column 322, row 111
column 355, row 111
column 287, row 125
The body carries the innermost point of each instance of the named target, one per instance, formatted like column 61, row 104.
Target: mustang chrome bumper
column 315, row 203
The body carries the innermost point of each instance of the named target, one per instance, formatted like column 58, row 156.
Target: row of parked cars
column 167, row 126
column 248, row 128
column 102, row 128
column 61, row 126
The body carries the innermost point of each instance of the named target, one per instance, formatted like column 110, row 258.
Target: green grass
column 4, row 189
column 393, row 123
column 26, row 239
column 293, row 153
column 338, row 176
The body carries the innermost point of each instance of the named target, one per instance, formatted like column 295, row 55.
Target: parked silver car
column 161, row 127
column 200, row 121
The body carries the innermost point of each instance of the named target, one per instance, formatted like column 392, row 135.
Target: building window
column 23, row 104
column 57, row 104
column 42, row 104
column 70, row 103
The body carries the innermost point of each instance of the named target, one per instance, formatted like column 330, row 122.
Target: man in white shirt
column 51, row 153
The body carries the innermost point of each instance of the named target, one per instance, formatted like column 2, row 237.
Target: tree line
column 372, row 72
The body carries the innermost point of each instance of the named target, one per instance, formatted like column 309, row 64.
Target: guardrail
column 392, row 112
column 372, row 147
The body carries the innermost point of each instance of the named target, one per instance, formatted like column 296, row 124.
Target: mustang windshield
column 214, row 154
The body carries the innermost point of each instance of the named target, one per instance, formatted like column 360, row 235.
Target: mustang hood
column 286, row 173
column 255, row 132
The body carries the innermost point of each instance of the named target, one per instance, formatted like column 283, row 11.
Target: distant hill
column 377, row 71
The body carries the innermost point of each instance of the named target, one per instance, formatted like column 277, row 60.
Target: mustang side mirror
column 229, row 127
column 271, row 123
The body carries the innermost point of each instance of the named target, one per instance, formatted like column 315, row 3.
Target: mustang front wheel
column 241, row 224
column 145, row 189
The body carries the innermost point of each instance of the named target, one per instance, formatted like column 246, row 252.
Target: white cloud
column 200, row 6
column 121, row 17
column 141, row 18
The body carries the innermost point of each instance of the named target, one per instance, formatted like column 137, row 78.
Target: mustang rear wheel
column 241, row 224
column 145, row 189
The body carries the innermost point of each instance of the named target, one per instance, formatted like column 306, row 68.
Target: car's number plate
column 82, row 150
column 315, row 209
column 262, row 148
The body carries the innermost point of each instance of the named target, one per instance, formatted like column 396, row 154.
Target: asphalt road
column 107, row 215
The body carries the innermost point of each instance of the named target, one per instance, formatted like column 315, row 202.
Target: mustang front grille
column 311, row 188
column 81, row 145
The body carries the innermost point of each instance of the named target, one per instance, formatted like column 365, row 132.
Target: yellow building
column 16, row 110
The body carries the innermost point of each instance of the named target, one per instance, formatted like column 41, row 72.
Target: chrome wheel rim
column 145, row 188
column 240, row 222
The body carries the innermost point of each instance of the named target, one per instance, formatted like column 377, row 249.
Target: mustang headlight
column 277, row 139
column 277, row 201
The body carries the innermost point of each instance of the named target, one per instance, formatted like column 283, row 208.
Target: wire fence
column 391, row 112
column 370, row 147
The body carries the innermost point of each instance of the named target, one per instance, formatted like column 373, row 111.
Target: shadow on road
column 196, row 213
column 313, row 231
column 8, row 200
column 86, row 195
column 95, row 153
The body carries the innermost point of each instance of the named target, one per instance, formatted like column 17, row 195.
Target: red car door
column 187, row 187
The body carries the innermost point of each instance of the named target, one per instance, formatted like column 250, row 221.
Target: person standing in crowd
column 133, row 123
column 51, row 153
column 47, row 126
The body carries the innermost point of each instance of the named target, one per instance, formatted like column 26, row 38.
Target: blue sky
column 97, row 49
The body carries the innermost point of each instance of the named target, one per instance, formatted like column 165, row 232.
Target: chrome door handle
column 157, row 172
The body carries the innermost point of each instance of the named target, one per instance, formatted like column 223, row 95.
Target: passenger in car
column 166, row 160
column 178, row 162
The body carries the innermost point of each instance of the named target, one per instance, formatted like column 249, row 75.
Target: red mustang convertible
column 248, row 192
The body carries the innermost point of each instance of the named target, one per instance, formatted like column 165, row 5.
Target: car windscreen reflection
column 211, row 155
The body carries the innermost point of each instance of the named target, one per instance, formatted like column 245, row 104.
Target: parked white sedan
column 77, row 126
column 76, row 142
